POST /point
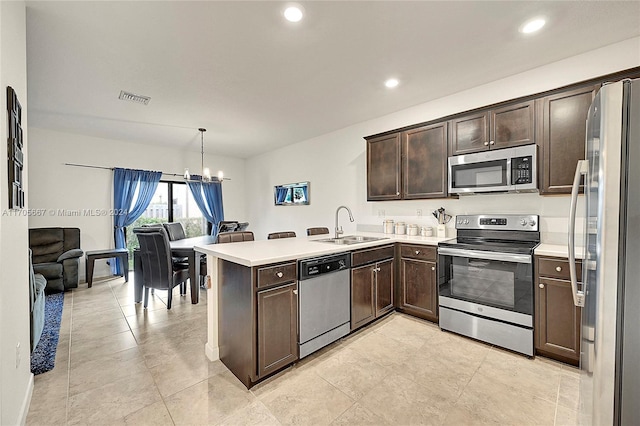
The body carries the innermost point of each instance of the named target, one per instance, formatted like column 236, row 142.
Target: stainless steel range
column 486, row 279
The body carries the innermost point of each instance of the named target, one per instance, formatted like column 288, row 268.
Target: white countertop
column 262, row 252
column 557, row 251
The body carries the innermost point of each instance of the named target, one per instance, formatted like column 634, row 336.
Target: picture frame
column 291, row 194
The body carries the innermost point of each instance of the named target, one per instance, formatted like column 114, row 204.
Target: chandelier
column 206, row 173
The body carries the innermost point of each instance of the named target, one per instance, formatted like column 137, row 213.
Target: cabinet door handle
column 279, row 274
column 541, row 285
column 398, row 193
column 486, row 144
column 295, row 291
column 433, row 268
column 492, row 143
column 558, row 268
column 417, row 251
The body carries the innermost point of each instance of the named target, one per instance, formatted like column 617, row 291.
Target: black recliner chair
column 56, row 255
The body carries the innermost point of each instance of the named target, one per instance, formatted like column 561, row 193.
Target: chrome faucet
column 339, row 230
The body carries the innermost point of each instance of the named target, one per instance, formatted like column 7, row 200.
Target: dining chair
column 227, row 226
column 234, row 237
column 276, row 235
column 158, row 270
column 317, row 231
column 175, row 231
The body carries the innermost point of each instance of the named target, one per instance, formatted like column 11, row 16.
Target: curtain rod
column 111, row 168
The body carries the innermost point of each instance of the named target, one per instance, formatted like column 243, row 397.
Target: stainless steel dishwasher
column 324, row 300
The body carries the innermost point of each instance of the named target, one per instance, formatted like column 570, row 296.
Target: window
column 172, row 202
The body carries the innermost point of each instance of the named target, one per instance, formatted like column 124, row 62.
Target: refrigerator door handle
column 581, row 169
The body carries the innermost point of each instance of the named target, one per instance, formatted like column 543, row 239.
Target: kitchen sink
column 350, row 239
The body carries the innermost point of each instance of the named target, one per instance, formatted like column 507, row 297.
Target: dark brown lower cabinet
column 419, row 292
column 557, row 319
column 418, row 281
column 277, row 328
column 384, row 286
column 362, row 296
column 257, row 318
column 372, row 284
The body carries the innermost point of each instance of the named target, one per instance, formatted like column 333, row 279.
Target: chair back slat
column 317, row 231
column 234, row 237
column 286, row 234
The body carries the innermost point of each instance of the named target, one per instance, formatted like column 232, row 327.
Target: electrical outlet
column 419, row 212
column 380, row 213
column 18, row 355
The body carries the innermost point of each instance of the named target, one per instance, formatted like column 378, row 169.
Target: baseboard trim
column 26, row 402
column 212, row 353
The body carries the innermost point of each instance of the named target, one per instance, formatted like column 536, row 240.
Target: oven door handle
column 487, row 255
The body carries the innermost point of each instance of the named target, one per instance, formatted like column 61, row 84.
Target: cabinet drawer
column 362, row 257
column 277, row 274
column 418, row 252
column 557, row 268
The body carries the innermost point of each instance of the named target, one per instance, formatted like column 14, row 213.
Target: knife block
column 441, row 231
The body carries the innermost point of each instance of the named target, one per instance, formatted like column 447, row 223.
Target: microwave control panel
column 521, row 170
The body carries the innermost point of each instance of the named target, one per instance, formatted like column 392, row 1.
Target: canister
column 401, row 228
column 412, row 229
column 426, row 231
column 388, row 226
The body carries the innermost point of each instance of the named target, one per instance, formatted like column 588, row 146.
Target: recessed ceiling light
column 532, row 26
column 293, row 13
column 391, row 83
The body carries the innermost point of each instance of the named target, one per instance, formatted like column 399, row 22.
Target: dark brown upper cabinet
column 424, row 162
column 408, row 165
column 383, row 168
column 562, row 124
column 470, row 133
column 510, row 125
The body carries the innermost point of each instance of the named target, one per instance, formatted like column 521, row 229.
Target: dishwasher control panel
column 322, row 265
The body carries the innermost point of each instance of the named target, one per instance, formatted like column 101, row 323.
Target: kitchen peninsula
column 246, row 275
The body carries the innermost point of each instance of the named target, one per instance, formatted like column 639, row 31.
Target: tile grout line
column 155, row 384
column 555, row 414
column 66, row 411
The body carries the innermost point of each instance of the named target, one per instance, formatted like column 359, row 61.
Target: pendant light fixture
column 206, row 173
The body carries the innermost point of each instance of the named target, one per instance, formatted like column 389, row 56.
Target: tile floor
column 118, row 364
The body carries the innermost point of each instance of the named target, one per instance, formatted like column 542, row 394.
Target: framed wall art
column 14, row 150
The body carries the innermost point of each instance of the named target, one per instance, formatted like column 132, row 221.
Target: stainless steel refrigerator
column 610, row 290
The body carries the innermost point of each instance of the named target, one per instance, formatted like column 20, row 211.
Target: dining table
column 179, row 248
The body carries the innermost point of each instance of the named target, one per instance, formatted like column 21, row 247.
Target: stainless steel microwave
column 501, row 170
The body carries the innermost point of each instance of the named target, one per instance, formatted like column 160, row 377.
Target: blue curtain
column 125, row 183
column 281, row 194
column 208, row 197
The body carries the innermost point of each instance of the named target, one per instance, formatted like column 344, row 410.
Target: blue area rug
column 44, row 356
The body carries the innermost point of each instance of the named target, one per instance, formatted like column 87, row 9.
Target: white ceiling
column 258, row 82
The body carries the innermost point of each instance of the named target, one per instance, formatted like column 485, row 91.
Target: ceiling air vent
column 128, row 96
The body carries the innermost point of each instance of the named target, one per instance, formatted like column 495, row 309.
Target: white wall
column 335, row 163
column 16, row 382
column 56, row 186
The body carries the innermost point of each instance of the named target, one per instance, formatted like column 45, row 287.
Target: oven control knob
column 466, row 221
column 532, row 222
column 523, row 222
